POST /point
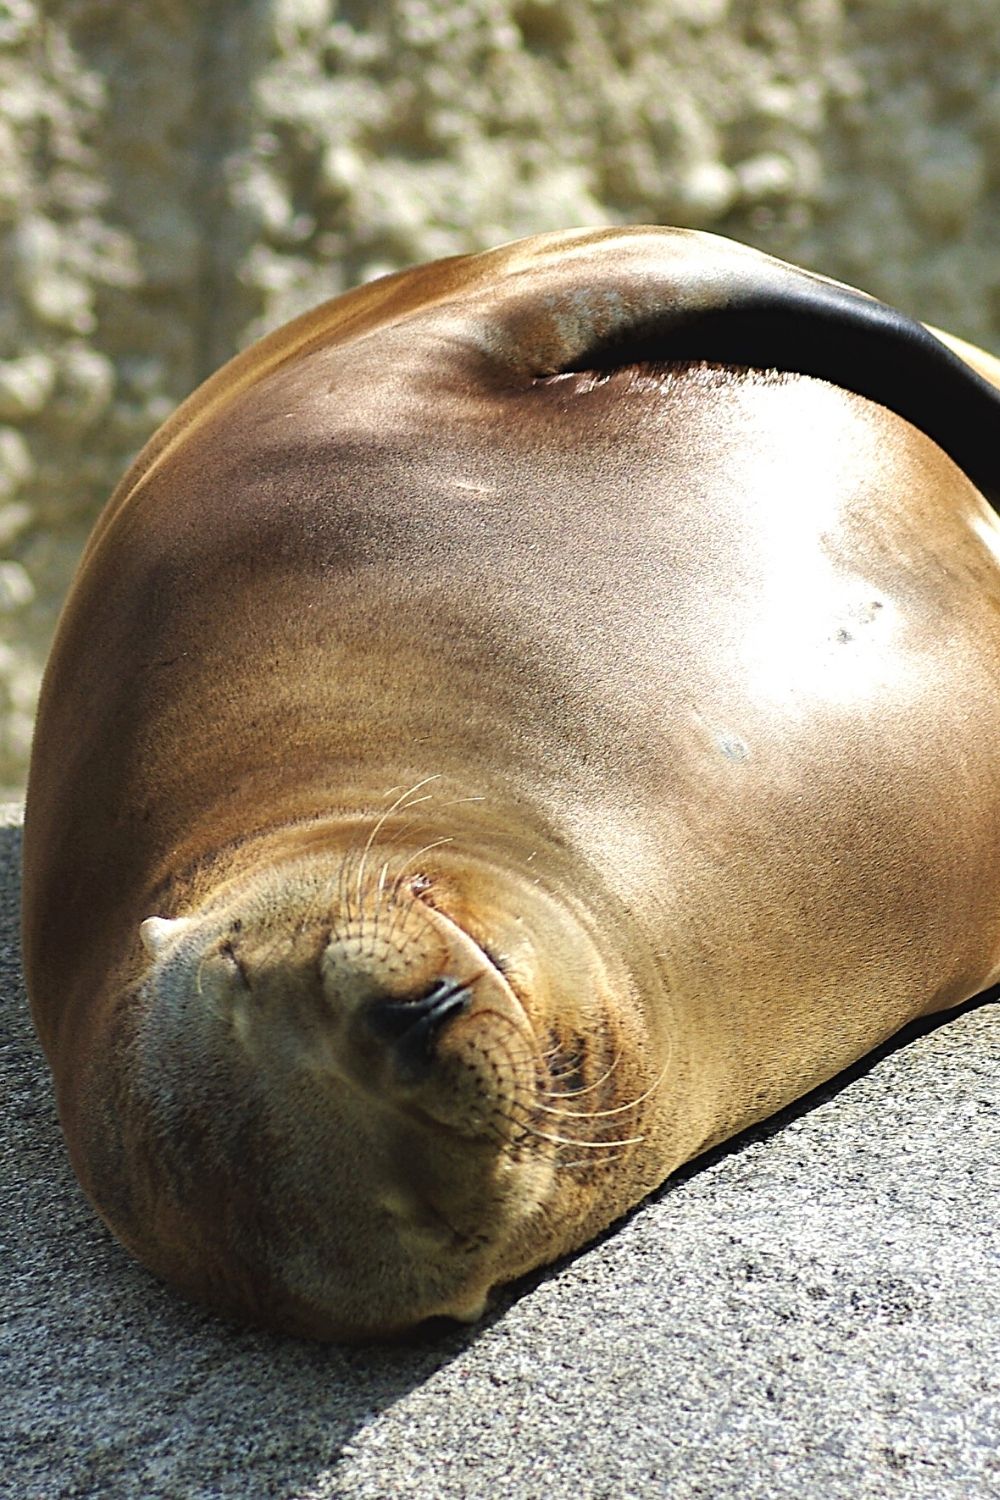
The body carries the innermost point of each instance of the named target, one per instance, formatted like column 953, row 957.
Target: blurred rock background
column 178, row 176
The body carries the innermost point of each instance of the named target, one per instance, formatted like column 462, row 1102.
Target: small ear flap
column 156, row 932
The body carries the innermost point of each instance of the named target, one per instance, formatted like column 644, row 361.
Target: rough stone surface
column 176, row 177
column 812, row 1311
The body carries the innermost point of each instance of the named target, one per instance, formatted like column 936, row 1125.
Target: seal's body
column 505, row 736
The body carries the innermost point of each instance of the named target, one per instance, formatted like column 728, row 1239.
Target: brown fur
column 685, row 684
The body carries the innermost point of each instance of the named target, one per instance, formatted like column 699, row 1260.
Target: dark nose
column 411, row 1026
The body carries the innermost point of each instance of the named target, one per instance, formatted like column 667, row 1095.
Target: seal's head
column 356, row 1094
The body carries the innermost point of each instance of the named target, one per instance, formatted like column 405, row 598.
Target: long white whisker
column 561, row 1140
column 600, row 1114
column 380, row 823
column 577, row 1093
column 418, row 855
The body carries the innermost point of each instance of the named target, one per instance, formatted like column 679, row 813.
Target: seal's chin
column 376, row 1067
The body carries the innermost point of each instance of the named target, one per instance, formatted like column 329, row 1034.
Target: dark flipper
column 678, row 295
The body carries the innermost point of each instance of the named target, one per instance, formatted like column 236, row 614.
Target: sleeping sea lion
column 513, row 728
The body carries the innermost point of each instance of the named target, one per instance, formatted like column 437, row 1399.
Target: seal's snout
column 411, row 1026
column 417, row 1018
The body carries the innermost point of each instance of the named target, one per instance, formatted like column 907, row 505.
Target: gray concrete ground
column 814, row 1311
